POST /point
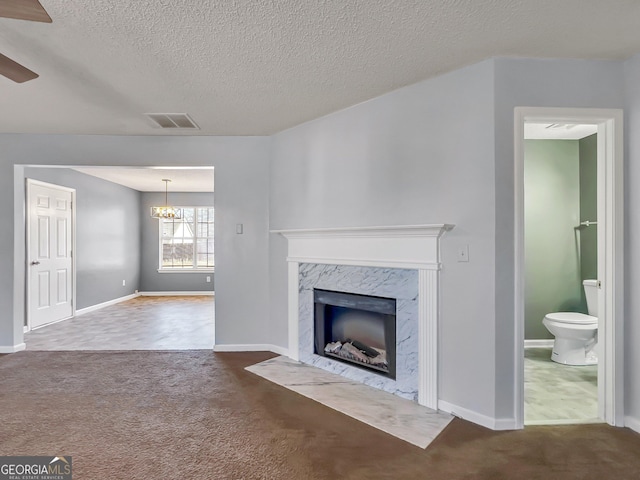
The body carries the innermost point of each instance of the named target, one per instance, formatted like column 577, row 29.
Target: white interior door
column 50, row 257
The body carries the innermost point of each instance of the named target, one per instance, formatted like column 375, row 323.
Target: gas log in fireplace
column 356, row 329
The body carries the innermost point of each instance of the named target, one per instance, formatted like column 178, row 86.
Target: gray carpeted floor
column 199, row 415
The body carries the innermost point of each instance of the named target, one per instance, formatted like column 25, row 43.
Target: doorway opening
column 568, row 166
column 142, row 284
column 560, row 242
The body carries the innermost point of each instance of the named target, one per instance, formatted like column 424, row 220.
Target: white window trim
column 187, row 270
column 180, row 269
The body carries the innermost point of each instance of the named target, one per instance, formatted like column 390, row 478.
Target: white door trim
column 610, row 242
column 29, row 184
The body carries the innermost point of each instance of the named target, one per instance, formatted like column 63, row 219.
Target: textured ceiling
column 242, row 67
column 557, row 131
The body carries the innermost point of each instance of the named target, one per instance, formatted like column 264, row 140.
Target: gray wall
column 438, row 151
column 107, row 247
column 421, row 154
column 588, row 207
column 150, row 279
column 242, row 172
column 552, row 211
column 632, row 241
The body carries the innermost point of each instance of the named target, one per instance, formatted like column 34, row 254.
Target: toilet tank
column 591, row 292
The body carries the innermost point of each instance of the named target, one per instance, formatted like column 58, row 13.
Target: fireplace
column 356, row 329
column 399, row 262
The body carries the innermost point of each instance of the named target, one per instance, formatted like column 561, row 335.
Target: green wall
column 554, row 179
column 588, row 207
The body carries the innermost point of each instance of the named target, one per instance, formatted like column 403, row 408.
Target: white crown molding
column 426, row 230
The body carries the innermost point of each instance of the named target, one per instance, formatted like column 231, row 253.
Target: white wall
column 242, row 165
column 632, row 244
column 421, row 154
column 532, row 83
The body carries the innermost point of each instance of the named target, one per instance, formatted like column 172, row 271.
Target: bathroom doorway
column 560, row 242
column 568, row 219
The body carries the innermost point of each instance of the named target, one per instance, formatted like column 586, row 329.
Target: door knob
column 35, row 263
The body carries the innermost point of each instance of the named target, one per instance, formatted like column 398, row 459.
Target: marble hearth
column 400, row 262
column 401, row 418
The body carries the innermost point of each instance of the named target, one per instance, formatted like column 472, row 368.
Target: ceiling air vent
column 172, row 120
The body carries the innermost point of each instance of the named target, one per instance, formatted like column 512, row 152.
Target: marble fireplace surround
column 412, row 247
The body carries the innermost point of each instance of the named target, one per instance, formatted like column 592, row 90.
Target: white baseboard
column 13, row 348
column 478, row 418
column 279, row 350
column 546, row 343
column 176, row 294
column 93, row 308
column 632, row 423
column 252, row 347
column 504, row 424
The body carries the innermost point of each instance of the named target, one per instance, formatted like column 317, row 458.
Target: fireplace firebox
column 356, row 329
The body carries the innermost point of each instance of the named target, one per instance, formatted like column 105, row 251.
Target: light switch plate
column 463, row 253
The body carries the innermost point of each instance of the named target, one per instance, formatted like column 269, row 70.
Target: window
column 187, row 244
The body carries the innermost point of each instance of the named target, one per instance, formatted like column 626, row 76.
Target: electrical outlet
column 208, row 279
column 239, row 228
column 463, row 253
column 124, row 283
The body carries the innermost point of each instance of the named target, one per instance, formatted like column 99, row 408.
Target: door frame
column 610, row 161
column 29, row 184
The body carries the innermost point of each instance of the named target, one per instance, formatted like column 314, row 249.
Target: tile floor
column 397, row 416
column 143, row 323
column 557, row 394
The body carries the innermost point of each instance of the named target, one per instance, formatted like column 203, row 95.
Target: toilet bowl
column 576, row 333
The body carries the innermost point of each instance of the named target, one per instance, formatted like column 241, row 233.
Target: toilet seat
column 574, row 318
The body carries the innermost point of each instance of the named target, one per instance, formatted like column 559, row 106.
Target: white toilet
column 576, row 333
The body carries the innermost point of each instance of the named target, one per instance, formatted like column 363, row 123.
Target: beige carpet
column 199, row 415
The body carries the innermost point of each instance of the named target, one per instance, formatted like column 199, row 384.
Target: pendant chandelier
column 166, row 211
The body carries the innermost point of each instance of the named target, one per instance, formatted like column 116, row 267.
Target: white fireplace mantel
column 404, row 246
